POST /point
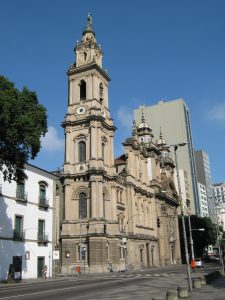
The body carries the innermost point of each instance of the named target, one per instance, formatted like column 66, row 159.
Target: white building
column 219, row 194
column 26, row 223
column 203, row 171
column 184, row 188
column 203, row 203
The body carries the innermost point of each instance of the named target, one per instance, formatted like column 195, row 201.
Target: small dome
column 143, row 124
column 161, row 141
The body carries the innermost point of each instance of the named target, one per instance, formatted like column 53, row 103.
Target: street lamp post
column 191, row 239
column 182, row 215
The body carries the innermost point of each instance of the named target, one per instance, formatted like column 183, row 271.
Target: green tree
column 201, row 239
column 22, row 123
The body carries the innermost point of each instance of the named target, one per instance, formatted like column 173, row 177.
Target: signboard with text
column 55, row 255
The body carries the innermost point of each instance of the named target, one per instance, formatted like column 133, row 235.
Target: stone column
column 100, row 199
column 89, row 87
column 114, row 200
column 68, row 145
column 93, row 142
column 111, row 151
column 93, row 199
column 98, row 142
column 94, row 87
column 67, row 200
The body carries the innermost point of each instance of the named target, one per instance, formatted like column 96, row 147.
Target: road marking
column 56, row 290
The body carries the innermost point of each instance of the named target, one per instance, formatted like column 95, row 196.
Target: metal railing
column 43, row 202
column 18, row 235
column 21, row 195
column 42, row 238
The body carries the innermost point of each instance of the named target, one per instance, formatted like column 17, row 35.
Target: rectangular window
column 18, row 229
column 20, row 190
column 122, row 252
column 41, row 229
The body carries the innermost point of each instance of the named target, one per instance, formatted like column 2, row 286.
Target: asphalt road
column 130, row 285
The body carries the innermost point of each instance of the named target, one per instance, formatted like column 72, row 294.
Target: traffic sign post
column 67, row 255
column 83, row 250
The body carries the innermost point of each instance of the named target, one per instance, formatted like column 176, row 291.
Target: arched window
column 85, row 55
column 82, row 206
column 81, row 152
column 42, row 191
column 82, row 90
column 101, row 91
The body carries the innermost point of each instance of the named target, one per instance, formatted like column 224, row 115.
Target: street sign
column 55, row 255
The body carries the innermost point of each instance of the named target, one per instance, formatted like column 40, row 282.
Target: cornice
column 167, row 199
column 76, row 70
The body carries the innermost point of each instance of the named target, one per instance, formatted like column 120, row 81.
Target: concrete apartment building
column 172, row 118
column 219, row 194
column 27, row 226
column 203, row 172
column 118, row 212
column 203, row 203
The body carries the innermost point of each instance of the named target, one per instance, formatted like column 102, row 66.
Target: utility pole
column 191, row 239
column 182, row 216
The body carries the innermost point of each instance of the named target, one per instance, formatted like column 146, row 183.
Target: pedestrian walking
column 44, row 272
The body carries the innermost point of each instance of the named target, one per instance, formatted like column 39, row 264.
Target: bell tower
column 89, row 151
column 88, row 118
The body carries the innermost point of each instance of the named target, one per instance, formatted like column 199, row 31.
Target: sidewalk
column 212, row 291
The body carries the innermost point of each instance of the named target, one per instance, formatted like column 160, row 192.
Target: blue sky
column 153, row 50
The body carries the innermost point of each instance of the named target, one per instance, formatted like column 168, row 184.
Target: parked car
column 199, row 263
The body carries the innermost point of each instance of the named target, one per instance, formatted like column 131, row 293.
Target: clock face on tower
column 80, row 110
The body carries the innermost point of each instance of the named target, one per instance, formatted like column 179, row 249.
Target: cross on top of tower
column 89, row 27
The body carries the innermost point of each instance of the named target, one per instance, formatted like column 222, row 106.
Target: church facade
column 121, row 212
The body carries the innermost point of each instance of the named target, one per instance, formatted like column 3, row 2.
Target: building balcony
column 21, row 196
column 18, row 235
column 42, row 238
column 43, row 202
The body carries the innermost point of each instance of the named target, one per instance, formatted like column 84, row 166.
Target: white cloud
column 217, row 113
column 51, row 141
column 125, row 117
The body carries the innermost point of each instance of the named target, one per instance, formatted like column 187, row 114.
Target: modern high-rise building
column 204, row 177
column 174, row 120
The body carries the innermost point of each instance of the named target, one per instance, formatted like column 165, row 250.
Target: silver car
column 199, row 263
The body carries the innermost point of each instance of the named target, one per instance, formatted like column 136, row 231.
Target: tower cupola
column 87, row 49
column 144, row 131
